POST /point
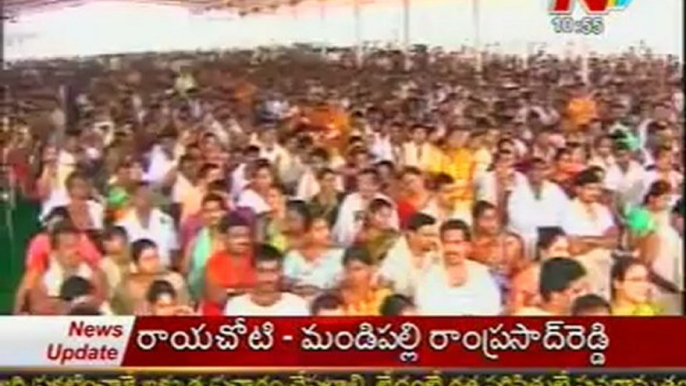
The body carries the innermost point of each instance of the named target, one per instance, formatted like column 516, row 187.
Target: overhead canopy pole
column 322, row 26
column 358, row 32
column 476, row 20
column 406, row 33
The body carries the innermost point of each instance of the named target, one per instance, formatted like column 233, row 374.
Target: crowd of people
column 290, row 183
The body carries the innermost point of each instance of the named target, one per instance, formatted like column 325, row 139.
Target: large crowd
column 288, row 182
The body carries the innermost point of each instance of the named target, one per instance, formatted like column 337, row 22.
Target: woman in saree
column 378, row 234
column 206, row 242
column 631, row 289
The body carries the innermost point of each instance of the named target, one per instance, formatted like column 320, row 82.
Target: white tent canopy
column 508, row 26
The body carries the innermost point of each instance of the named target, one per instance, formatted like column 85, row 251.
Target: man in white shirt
column 266, row 299
column 592, row 230
column 254, row 196
column 162, row 159
column 536, row 195
column 411, row 256
column 147, row 222
column 625, row 177
column 458, row 286
column 353, row 207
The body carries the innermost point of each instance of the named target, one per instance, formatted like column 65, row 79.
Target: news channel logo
column 593, row 20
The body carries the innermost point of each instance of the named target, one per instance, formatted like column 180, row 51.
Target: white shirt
column 238, row 180
column 577, row 221
column 60, row 197
column 675, row 179
column 160, row 230
column 324, row 273
column 627, row 185
column 479, row 296
column 382, row 148
column 549, row 209
column 250, row 199
column 160, row 165
column 288, row 305
column 349, row 219
column 486, row 186
column 400, row 269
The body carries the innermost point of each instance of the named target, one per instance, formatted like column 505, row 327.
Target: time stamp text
column 578, row 26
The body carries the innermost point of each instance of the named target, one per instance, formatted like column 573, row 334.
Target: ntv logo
column 591, row 7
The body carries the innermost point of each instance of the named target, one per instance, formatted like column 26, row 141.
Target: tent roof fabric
column 12, row 8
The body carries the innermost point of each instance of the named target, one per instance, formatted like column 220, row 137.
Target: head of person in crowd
column 659, row 134
column 237, row 234
column 268, row 264
column 602, row 148
column 213, row 209
column 412, row 180
column 419, row 134
column 143, row 199
column 328, row 181
column 55, row 217
column 623, row 154
column 358, row 268
column 380, row 214
column 277, row 200
column 578, row 153
column 538, row 172
column 368, row 183
column 115, row 243
column 421, row 232
column 269, row 137
column 562, row 280
column 71, row 142
column 319, row 232
column 298, row 218
column 658, row 197
column 678, row 217
column 129, row 173
column 84, row 310
column 76, row 290
column 262, row 175
column 78, row 186
column 456, row 241
column 64, row 243
column 588, row 187
column 564, row 161
column 208, row 173
column 591, row 305
column 446, row 190
column 664, row 159
column 189, row 167
column 552, row 242
column 504, row 161
column 318, row 159
column 146, row 256
column 486, row 219
column 163, row 300
column 327, row 304
column 398, row 305
column 249, row 156
column 631, row 287
column 457, row 138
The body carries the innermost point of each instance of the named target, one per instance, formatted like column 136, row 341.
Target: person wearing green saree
column 378, row 235
column 206, row 242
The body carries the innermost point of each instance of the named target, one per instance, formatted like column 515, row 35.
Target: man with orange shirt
column 229, row 272
column 581, row 109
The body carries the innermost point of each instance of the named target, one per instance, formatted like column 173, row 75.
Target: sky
column 504, row 25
